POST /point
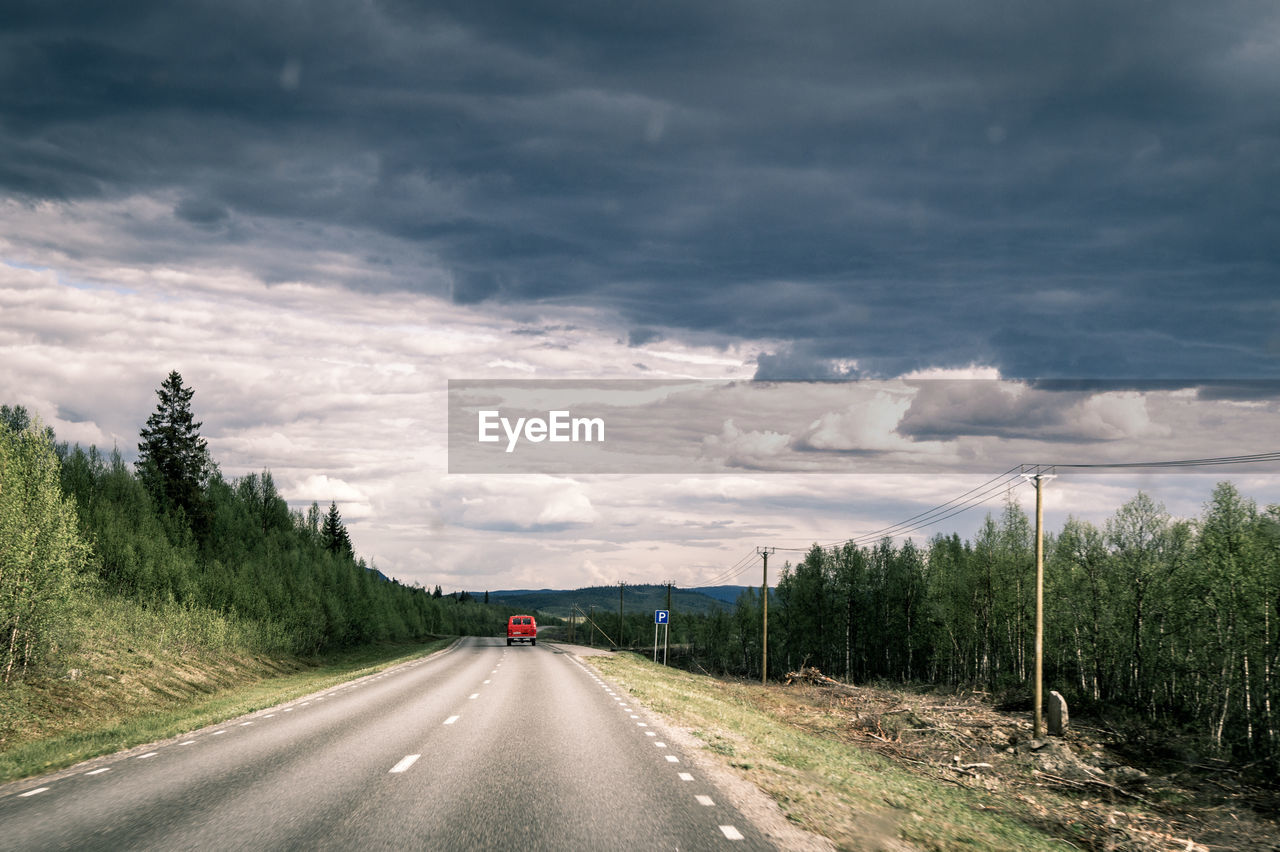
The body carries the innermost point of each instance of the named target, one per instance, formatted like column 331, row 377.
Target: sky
column 322, row 213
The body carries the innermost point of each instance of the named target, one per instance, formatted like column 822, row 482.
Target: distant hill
column 558, row 602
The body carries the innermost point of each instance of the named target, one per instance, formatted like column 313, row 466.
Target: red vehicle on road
column 522, row 628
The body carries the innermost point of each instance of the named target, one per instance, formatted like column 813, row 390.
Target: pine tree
column 173, row 460
column 334, row 533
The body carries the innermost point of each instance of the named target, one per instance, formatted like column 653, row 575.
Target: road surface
column 480, row 746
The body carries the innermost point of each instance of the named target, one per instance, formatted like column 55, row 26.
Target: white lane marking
column 642, row 724
column 218, row 733
column 634, row 716
column 451, row 720
column 661, row 745
column 731, row 833
column 406, row 762
column 705, row 801
column 685, row 776
column 148, row 754
column 487, row 681
column 288, row 709
column 671, row 758
column 188, row 742
column 650, row 734
column 473, row 697
column 268, row 716
column 242, row 724
column 304, row 704
column 32, row 792
column 99, row 771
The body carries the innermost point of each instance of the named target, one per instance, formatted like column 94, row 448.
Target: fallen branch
column 1069, row 782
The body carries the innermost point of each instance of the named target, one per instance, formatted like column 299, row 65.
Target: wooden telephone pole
column 764, row 601
column 1037, row 726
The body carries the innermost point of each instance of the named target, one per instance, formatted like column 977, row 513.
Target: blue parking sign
column 661, row 616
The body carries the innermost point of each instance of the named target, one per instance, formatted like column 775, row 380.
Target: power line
column 975, row 496
column 1253, row 458
column 980, row 494
column 729, row 573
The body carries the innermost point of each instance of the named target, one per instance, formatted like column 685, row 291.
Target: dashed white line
column 473, row 697
column 218, row 733
column 188, row 742
column 730, row 832
column 148, row 754
column 661, row 745
column 685, row 776
column 99, row 771
column 642, row 724
column 650, row 734
column 405, row 762
column 243, row 724
column 451, row 720
column 705, row 801
column 32, row 792
column 671, row 758
column 268, row 716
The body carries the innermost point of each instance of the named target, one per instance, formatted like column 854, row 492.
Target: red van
column 522, row 628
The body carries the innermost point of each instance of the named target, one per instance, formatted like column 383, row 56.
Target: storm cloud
column 1079, row 190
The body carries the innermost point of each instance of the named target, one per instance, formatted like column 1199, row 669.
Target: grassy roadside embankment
column 856, row 798
column 136, row 675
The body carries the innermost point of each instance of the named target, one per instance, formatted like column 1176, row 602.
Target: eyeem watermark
column 559, row 427
column 691, row 427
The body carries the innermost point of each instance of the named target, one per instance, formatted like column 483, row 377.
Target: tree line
column 1177, row 621
column 172, row 531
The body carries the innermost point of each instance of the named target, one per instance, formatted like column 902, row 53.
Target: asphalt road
column 480, row 746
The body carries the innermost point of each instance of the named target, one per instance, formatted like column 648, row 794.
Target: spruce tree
column 334, row 533
column 173, row 460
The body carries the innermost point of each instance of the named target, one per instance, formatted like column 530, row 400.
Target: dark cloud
column 1080, row 190
column 641, row 336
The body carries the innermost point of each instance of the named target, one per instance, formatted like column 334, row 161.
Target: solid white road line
column 405, row 763
column 730, row 832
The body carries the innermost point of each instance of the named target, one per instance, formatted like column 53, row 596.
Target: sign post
column 663, row 617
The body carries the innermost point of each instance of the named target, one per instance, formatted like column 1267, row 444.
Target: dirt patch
column 1086, row 787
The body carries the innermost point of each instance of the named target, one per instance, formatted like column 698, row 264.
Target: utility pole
column 666, row 636
column 592, row 618
column 1037, row 726
column 620, row 585
column 764, row 601
column 573, row 624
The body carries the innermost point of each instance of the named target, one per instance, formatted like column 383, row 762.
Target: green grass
column 856, row 798
column 140, row 674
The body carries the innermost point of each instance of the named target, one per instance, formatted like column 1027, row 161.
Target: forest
column 1175, row 622
column 227, row 558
